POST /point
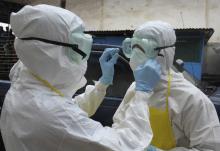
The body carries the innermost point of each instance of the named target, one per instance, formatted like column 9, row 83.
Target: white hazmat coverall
column 194, row 120
column 36, row 118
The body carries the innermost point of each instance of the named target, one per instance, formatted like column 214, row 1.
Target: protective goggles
column 148, row 47
column 84, row 43
column 78, row 51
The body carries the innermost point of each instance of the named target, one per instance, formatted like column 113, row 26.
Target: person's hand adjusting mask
column 147, row 76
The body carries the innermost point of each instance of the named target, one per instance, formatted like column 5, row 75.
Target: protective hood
column 49, row 61
column 164, row 34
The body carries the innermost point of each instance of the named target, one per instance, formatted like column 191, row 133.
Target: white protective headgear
column 49, row 61
column 164, row 35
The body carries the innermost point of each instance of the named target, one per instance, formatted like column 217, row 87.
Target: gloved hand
column 107, row 62
column 147, row 76
column 152, row 148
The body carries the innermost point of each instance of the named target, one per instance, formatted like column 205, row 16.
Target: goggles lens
column 148, row 47
column 84, row 43
column 133, row 45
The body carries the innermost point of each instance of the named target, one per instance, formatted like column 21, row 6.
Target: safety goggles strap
column 73, row 46
column 159, row 48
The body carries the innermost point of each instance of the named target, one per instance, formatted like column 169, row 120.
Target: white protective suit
column 35, row 118
column 194, row 119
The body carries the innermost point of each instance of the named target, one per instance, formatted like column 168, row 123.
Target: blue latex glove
column 152, row 148
column 107, row 62
column 147, row 76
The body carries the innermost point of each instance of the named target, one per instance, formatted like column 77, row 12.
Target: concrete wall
column 212, row 59
column 213, row 19
column 122, row 14
column 51, row 2
column 128, row 14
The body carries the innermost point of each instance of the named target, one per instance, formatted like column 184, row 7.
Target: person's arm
column 91, row 99
column 94, row 95
column 146, row 77
column 133, row 127
column 200, row 124
column 120, row 112
column 131, row 132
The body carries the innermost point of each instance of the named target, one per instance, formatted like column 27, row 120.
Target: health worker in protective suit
column 182, row 118
column 38, row 112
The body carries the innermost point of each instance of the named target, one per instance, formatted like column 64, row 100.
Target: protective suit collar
column 47, row 60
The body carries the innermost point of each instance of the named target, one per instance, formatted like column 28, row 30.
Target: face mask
column 82, row 72
column 137, row 58
column 81, row 80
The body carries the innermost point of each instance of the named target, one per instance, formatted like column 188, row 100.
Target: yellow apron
column 163, row 136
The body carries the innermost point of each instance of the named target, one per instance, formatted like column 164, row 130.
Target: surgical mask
column 78, row 79
column 81, row 72
column 136, row 59
column 79, row 49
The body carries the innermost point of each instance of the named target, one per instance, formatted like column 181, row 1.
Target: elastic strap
column 73, row 46
column 159, row 48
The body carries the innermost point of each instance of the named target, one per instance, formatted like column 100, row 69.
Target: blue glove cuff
column 151, row 148
column 106, row 80
column 141, row 86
